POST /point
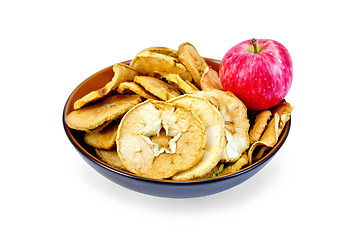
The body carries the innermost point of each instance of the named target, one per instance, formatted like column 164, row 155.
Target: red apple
column 259, row 72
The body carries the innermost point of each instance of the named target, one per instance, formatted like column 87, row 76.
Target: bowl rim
column 82, row 150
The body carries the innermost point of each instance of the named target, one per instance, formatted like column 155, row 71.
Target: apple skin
column 260, row 80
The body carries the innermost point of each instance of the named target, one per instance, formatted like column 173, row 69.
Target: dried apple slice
column 261, row 121
column 158, row 61
column 157, row 139
column 163, row 51
column 184, row 86
column 111, row 157
column 99, row 128
column 210, row 80
column 194, row 63
column 272, row 132
column 122, row 73
column 135, row 88
column 157, row 87
column 236, row 121
column 236, row 166
column 93, row 116
column 269, row 137
column 284, row 109
column 105, row 138
column 215, row 135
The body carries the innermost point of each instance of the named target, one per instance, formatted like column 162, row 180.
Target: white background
column 310, row 190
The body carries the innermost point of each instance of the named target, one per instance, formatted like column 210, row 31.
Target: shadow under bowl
column 160, row 188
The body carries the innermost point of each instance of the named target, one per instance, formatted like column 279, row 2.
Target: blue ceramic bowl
column 161, row 188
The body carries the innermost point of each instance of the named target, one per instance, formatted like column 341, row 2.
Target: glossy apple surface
column 259, row 74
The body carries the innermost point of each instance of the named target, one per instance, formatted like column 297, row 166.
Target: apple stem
column 253, row 41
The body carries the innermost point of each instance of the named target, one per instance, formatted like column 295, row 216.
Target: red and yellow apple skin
column 259, row 74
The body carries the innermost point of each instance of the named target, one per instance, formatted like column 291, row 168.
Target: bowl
column 160, row 188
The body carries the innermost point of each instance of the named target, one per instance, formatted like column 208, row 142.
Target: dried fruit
column 111, row 157
column 215, row 134
column 284, row 109
column 157, row 87
column 272, row 132
column 236, row 122
column 158, row 139
column 93, row 116
column 122, row 73
column 105, row 138
column 158, row 61
column 135, row 88
column 269, row 137
column 261, row 121
column 184, row 85
column 194, row 63
column 236, row 166
column 210, row 80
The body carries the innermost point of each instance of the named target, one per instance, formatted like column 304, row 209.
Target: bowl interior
column 97, row 81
